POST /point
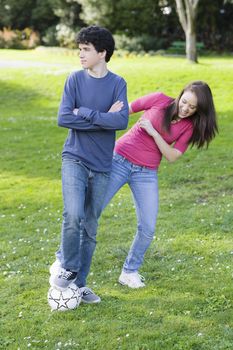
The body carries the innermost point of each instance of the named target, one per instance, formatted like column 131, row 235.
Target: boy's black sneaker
column 63, row 279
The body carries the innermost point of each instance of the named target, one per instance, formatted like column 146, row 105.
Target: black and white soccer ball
column 64, row 300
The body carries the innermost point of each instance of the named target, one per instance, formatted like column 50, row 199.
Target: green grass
column 187, row 303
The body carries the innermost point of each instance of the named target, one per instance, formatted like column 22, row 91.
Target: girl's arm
column 170, row 153
column 130, row 109
column 118, row 105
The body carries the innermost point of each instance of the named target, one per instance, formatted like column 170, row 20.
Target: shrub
column 66, row 36
column 50, row 37
column 139, row 43
column 18, row 39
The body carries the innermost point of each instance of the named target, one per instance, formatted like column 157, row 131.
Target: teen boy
column 94, row 105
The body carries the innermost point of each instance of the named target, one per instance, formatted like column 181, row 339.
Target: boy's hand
column 75, row 111
column 116, row 107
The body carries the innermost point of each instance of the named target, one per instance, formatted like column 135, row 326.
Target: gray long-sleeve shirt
column 92, row 131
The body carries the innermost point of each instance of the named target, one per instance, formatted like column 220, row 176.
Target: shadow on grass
column 31, row 142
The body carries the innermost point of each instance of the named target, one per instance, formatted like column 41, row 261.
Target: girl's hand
column 147, row 126
column 116, row 107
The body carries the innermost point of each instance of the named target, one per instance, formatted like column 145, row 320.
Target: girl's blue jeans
column 143, row 183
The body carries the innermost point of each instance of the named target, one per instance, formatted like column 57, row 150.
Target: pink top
column 139, row 147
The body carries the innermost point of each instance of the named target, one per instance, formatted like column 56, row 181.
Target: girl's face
column 187, row 104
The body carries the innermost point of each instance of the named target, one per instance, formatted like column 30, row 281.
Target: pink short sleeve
column 182, row 143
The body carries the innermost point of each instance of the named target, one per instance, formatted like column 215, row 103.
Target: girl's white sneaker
column 132, row 280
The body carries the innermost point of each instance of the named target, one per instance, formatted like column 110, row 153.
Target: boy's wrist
column 85, row 113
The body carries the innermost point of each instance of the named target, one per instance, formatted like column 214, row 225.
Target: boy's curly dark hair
column 99, row 37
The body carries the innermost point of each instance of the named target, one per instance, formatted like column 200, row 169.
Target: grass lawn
column 187, row 303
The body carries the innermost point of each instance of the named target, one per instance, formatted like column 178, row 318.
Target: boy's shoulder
column 77, row 73
column 81, row 75
column 120, row 81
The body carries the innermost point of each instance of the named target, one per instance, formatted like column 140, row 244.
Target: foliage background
column 152, row 22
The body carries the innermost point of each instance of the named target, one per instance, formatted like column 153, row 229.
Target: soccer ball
column 64, row 300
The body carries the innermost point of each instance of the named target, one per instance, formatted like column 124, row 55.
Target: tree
column 187, row 11
column 154, row 25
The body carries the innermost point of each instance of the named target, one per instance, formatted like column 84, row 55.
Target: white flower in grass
column 127, row 335
column 200, row 334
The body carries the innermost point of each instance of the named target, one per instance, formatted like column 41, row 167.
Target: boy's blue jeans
column 143, row 183
column 83, row 195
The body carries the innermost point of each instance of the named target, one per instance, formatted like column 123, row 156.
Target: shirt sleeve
column 109, row 120
column 66, row 117
column 146, row 102
column 181, row 143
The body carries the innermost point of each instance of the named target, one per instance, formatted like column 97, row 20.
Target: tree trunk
column 191, row 50
column 187, row 10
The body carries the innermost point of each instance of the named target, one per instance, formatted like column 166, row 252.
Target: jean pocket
column 106, row 174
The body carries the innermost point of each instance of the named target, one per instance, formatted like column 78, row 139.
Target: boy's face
column 89, row 57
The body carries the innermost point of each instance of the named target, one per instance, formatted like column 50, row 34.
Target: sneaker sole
column 54, row 270
column 90, row 302
column 126, row 284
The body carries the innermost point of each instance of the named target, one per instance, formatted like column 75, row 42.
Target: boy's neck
column 98, row 71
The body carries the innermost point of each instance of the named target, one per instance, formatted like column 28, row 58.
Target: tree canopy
column 156, row 22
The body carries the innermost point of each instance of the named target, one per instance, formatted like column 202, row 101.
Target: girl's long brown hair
column 204, row 119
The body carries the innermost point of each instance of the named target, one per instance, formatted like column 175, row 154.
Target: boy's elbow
column 124, row 122
column 123, row 126
column 60, row 121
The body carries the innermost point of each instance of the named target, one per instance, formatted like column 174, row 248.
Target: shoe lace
column 66, row 274
column 141, row 278
column 87, row 291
